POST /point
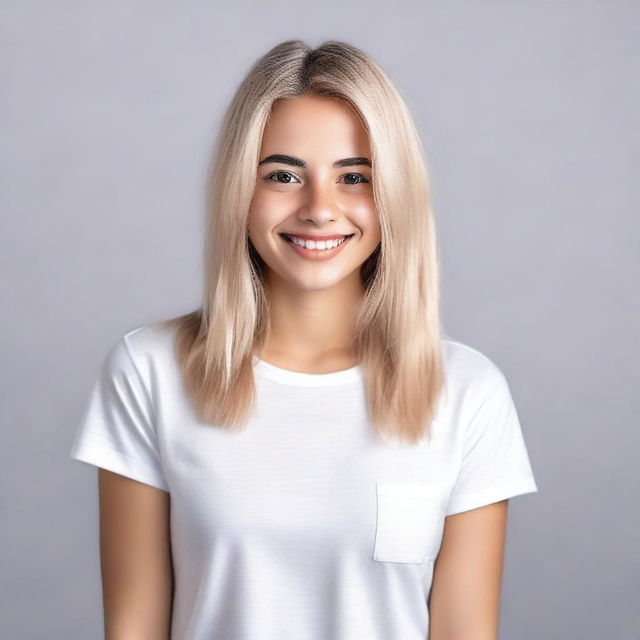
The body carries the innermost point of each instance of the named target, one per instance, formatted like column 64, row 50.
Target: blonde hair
column 398, row 330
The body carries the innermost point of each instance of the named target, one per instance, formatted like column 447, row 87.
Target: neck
column 312, row 329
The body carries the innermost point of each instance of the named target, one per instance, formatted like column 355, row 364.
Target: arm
column 135, row 556
column 465, row 595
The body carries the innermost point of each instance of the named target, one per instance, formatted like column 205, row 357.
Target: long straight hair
column 398, row 329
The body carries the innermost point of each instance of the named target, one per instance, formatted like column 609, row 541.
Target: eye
column 288, row 177
column 359, row 178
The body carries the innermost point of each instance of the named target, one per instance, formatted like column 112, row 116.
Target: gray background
column 528, row 113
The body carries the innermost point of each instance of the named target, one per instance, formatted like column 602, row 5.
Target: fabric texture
column 305, row 523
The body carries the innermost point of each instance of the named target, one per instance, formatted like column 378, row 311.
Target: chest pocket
column 410, row 521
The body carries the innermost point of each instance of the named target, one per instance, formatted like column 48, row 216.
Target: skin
column 312, row 303
column 135, row 558
column 312, row 306
column 464, row 603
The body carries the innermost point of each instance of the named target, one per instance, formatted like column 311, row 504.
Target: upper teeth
column 320, row 244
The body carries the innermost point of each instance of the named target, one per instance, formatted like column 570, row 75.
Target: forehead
column 315, row 125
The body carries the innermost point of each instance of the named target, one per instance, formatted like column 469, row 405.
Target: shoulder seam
column 154, row 415
column 130, row 333
column 130, row 354
column 473, row 350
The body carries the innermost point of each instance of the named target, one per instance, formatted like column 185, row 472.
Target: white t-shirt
column 305, row 524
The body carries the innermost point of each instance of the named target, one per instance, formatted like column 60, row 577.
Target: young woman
column 306, row 456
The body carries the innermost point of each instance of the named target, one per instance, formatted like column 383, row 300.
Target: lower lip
column 316, row 254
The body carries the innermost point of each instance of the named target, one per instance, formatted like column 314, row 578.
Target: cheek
column 366, row 218
column 267, row 209
column 259, row 214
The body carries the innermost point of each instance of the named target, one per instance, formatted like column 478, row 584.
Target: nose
column 319, row 205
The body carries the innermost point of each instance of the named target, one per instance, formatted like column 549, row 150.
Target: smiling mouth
column 288, row 238
column 316, row 250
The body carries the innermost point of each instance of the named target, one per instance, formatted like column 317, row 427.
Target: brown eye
column 354, row 178
column 287, row 177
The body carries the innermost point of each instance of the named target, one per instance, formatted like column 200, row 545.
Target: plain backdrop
column 528, row 112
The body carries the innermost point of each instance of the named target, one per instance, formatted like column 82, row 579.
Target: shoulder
column 151, row 339
column 469, row 372
column 144, row 349
column 476, row 392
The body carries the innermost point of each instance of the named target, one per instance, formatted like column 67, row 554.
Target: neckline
column 270, row 371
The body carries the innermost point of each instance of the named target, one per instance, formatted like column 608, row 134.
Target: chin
column 314, row 283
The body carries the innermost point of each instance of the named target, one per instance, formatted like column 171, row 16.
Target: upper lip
column 311, row 236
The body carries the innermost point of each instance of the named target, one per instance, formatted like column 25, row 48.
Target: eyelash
column 363, row 180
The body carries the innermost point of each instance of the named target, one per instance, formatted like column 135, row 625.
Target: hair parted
column 398, row 329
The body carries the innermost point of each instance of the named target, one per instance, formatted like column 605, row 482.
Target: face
column 313, row 189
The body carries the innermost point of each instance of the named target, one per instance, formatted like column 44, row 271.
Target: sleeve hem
column 119, row 463
column 495, row 493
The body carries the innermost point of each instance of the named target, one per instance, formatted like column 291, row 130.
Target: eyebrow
column 296, row 162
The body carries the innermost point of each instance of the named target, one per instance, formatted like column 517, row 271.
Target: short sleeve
column 117, row 430
column 495, row 463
